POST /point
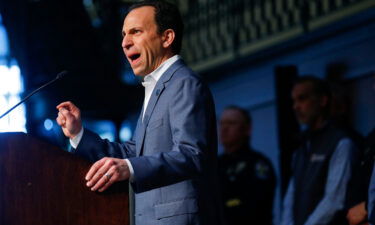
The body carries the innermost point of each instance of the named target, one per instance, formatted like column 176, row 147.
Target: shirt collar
column 156, row 74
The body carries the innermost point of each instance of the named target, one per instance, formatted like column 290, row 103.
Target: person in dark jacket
column 247, row 177
column 322, row 165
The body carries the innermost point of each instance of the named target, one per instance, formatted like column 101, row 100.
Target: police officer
column 247, row 177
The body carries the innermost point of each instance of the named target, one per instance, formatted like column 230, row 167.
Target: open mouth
column 134, row 57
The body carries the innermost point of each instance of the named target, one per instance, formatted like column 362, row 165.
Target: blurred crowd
column 331, row 181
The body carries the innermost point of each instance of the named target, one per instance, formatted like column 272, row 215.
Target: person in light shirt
column 323, row 164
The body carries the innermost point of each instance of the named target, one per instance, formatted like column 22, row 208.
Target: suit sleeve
column 192, row 124
column 93, row 148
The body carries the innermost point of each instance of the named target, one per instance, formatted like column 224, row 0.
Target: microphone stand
column 59, row 76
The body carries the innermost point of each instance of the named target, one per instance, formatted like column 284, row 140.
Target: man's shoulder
column 341, row 132
column 260, row 157
column 183, row 72
column 178, row 72
column 183, row 77
column 331, row 133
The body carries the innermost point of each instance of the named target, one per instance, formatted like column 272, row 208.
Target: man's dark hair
column 320, row 87
column 245, row 114
column 167, row 16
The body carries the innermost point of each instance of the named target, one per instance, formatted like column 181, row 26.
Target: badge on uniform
column 233, row 202
column 262, row 170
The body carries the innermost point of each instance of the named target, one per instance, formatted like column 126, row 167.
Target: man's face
column 307, row 106
column 142, row 44
column 233, row 128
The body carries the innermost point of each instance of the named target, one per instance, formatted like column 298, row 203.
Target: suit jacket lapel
column 156, row 93
column 139, row 132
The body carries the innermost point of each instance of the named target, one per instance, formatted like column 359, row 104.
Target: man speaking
column 171, row 160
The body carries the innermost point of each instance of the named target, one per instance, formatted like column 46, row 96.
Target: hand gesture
column 69, row 118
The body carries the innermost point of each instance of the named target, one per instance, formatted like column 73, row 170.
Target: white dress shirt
column 149, row 82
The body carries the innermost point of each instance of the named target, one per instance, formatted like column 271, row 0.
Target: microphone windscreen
column 61, row 74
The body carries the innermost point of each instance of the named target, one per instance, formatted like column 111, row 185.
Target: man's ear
column 168, row 38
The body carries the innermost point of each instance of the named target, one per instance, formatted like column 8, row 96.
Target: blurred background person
column 361, row 192
column 341, row 112
column 322, row 165
column 247, row 177
column 369, row 160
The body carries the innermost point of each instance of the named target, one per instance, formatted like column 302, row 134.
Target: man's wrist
column 131, row 170
column 76, row 139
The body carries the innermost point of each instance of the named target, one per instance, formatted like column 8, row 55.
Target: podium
column 41, row 184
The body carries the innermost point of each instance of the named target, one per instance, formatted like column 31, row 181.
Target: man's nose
column 126, row 42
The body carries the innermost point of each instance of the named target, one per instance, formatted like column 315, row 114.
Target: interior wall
column 363, row 103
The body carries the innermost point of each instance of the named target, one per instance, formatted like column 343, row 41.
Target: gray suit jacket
column 173, row 153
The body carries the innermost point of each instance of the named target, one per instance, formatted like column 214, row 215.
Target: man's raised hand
column 69, row 118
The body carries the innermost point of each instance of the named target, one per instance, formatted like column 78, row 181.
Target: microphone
column 58, row 77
